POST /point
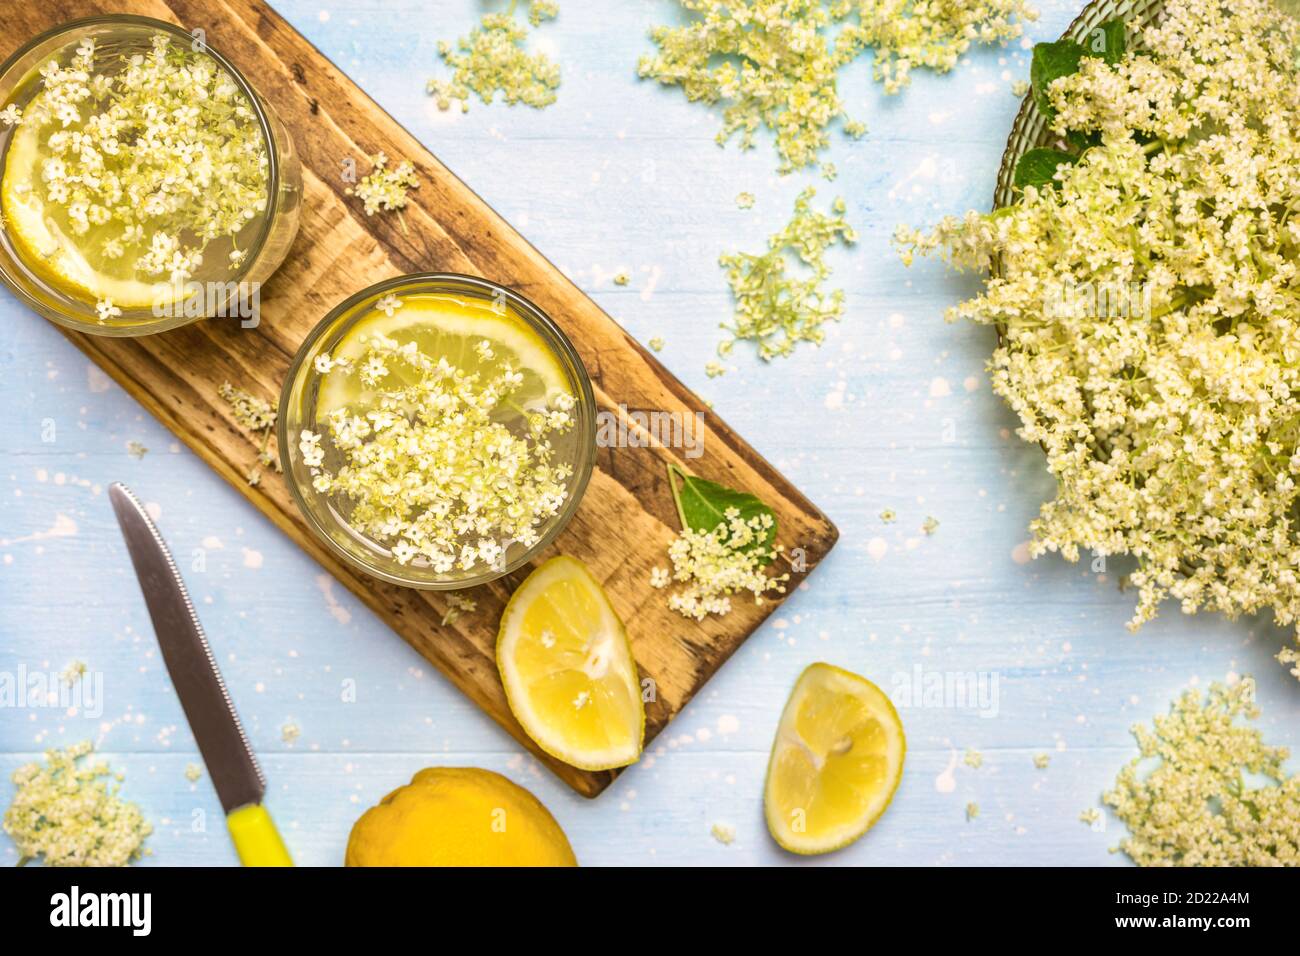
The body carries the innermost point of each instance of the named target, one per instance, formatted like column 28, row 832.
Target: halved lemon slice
column 43, row 235
column 836, row 762
column 568, row 669
column 451, row 327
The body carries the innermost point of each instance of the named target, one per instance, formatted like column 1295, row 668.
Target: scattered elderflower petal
column 622, row 279
column 73, row 672
column 1218, row 797
column 456, row 605
column 656, row 344
column 136, row 450
column 290, row 732
column 1090, row 816
column 193, row 772
column 972, row 810
column 745, row 200
column 1042, row 760
column 930, row 525
column 660, row 578
column 67, row 815
column 724, row 833
column 714, row 368
column 777, row 310
column 973, row 758
column 888, row 516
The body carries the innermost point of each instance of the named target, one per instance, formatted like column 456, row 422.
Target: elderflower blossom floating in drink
column 145, row 184
column 438, row 430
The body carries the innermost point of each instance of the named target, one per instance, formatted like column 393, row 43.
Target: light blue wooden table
column 894, row 411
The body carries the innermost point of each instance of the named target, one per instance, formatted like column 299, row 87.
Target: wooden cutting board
column 627, row 517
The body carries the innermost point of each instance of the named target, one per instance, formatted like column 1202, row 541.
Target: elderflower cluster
column 257, row 416
column 1146, row 303
column 492, row 59
column 712, row 566
column 775, row 63
column 778, row 310
column 151, row 157
column 931, row 33
column 428, row 469
column 1218, row 796
column 385, row 188
column 66, row 814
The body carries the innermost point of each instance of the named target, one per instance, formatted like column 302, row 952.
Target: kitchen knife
column 230, row 762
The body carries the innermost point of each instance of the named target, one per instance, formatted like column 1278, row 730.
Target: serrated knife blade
column 212, row 718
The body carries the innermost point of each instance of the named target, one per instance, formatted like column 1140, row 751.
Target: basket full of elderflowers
column 1143, row 280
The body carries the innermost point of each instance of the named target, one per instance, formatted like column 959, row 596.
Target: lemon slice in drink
column 43, row 235
column 568, row 669
column 836, row 762
column 450, row 327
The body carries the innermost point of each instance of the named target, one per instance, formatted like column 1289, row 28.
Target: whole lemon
column 458, row 816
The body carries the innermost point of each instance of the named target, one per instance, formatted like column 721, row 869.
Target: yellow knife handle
column 256, row 839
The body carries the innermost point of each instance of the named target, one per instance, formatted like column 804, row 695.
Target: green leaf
column 1081, row 142
column 702, row 506
column 1107, row 40
column 1051, row 61
column 1038, row 166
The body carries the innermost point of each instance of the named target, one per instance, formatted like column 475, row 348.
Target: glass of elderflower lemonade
column 437, row 431
column 144, row 184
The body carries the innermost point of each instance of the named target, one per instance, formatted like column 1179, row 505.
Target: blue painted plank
column 893, row 411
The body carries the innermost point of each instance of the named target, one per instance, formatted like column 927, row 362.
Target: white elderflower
column 388, row 305
column 384, row 188
column 1217, row 795
column 106, row 310
column 775, row 308
column 492, row 60
column 66, row 815
column 427, row 469
column 309, row 444
column 776, row 63
column 1145, row 300
column 727, row 560
column 158, row 145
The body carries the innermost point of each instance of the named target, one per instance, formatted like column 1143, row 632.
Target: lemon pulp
column 568, row 670
column 44, row 239
column 446, row 326
column 836, row 761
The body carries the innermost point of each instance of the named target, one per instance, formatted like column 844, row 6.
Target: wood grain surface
column 626, row 519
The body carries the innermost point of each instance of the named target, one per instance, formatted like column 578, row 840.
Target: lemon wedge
column 568, row 669
column 836, row 762
column 45, row 240
column 451, row 327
